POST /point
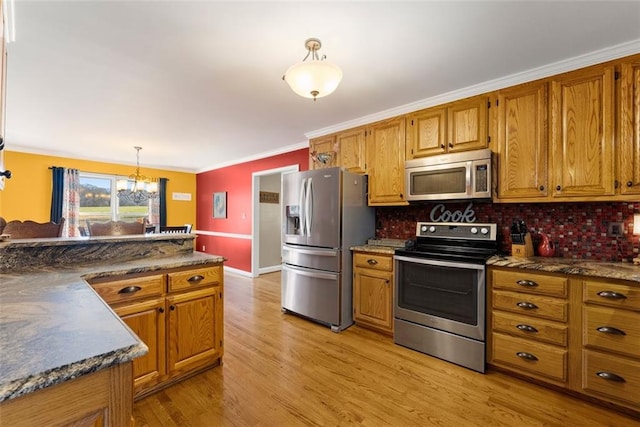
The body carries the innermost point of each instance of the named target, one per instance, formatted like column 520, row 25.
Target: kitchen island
column 58, row 337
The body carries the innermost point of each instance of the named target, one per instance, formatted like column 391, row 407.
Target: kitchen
column 571, row 225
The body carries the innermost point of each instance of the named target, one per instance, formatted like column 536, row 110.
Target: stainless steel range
column 440, row 293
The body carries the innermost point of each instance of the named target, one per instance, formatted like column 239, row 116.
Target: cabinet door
column 582, row 117
column 351, row 145
column 323, row 152
column 373, row 298
column 522, row 141
column 426, row 133
column 385, row 162
column 467, row 123
column 629, row 141
column 195, row 338
column 147, row 320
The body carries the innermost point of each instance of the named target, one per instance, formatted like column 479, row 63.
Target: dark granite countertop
column 605, row 270
column 54, row 327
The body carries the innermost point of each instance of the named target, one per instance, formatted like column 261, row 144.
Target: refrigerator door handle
column 309, row 207
column 314, row 274
column 323, row 252
column 301, row 199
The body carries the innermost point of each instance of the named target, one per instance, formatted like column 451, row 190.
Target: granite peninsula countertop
column 600, row 269
column 54, row 327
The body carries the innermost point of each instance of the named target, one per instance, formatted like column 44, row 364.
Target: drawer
column 131, row 289
column 538, row 358
column 612, row 329
column 611, row 376
column 535, row 283
column 611, row 294
column 373, row 261
column 530, row 327
column 531, row 305
column 193, row 278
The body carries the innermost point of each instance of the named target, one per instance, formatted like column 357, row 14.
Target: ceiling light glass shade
column 313, row 79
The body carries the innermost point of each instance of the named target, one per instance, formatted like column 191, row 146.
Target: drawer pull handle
column 526, row 356
column 611, row 295
column 372, row 261
column 610, row 330
column 527, row 305
column 526, row 328
column 129, row 290
column 527, row 283
column 610, row 376
column 196, row 278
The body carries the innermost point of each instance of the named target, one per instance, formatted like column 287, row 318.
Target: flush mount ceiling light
column 137, row 188
column 316, row 78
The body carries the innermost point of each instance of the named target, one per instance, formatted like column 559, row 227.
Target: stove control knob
column 432, row 229
column 474, row 230
column 484, row 230
column 423, row 229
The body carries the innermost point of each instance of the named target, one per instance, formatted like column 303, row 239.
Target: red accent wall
column 236, row 180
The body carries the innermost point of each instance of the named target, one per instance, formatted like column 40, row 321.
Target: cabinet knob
column 527, row 305
column 196, row 278
column 611, row 295
column 372, row 261
column 450, row 145
column 526, row 356
column 161, row 310
column 610, row 330
column 542, row 188
column 129, row 290
column 441, row 145
column 610, row 376
column 629, row 184
column 558, row 187
column 172, row 307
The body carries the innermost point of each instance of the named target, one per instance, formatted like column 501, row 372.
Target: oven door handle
column 454, row 264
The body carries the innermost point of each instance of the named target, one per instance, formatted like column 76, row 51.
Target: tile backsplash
column 579, row 230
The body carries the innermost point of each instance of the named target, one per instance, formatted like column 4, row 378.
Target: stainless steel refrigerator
column 325, row 213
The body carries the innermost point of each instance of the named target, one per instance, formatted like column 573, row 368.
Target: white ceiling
column 199, row 84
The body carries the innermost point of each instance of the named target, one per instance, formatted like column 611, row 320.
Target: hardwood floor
column 281, row 370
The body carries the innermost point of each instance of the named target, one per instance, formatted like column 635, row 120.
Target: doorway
column 266, row 227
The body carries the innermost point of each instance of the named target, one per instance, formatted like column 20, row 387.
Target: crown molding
column 259, row 156
column 591, row 58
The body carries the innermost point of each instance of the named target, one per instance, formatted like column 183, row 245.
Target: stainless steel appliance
column 440, row 293
column 325, row 213
column 465, row 175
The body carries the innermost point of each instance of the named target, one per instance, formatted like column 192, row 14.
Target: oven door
column 444, row 295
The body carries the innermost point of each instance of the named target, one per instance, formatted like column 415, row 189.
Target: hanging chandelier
column 137, row 188
column 316, row 78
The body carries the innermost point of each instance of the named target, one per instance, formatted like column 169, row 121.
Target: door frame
column 255, row 210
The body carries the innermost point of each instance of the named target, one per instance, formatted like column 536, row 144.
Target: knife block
column 523, row 251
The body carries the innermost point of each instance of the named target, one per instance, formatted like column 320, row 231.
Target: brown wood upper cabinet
column 629, row 128
column 521, row 141
column 582, row 133
column 322, row 152
column 453, row 127
column 385, row 144
column 351, row 144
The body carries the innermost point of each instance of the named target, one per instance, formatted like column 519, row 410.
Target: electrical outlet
column 614, row 229
column 204, row 248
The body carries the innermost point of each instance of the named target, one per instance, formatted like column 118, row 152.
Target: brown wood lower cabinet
column 575, row 332
column 177, row 313
column 373, row 291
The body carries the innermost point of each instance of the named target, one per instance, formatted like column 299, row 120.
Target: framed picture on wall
column 220, row 204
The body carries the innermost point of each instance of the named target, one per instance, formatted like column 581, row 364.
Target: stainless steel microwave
column 465, row 175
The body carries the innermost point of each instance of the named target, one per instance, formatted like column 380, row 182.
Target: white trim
column 260, row 156
column 273, row 268
column 219, row 234
column 255, row 209
column 228, row 269
column 592, row 58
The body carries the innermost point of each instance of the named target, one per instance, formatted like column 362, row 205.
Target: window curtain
column 65, row 199
column 158, row 205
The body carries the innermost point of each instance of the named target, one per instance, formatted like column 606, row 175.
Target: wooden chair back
column 32, row 230
column 115, row 228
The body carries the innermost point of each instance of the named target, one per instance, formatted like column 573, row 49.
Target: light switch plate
column 614, row 229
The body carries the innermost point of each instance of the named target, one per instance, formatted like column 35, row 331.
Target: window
column 99, row 201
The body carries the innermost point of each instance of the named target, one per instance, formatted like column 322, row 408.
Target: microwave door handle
column 301, row 198
column 309, row 206
column 470, row 184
